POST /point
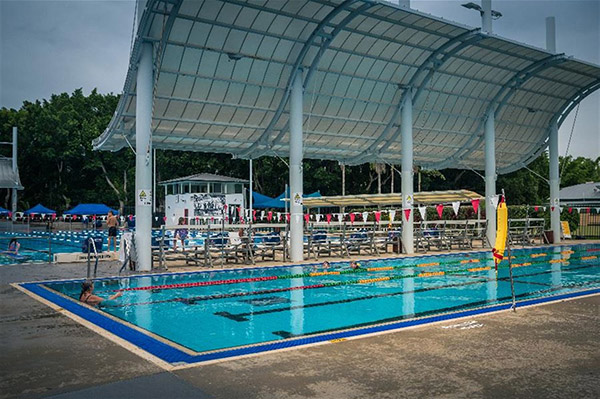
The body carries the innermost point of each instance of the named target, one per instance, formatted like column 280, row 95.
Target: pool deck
column 546, row 351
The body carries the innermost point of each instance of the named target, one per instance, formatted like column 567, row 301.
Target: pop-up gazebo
column 39, row 209
column 90, row 209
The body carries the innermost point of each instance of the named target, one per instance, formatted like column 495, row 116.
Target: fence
column 589, row 226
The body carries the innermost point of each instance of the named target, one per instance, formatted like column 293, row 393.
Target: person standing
column 112, row 224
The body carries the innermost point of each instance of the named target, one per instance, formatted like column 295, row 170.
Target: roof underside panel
column 224, row 67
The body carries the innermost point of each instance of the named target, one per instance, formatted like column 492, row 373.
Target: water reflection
column 297, row 301
column 408, row 298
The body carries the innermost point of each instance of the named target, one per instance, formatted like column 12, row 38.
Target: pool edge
column 207, row 358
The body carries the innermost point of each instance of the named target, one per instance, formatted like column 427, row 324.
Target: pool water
column 217, row 310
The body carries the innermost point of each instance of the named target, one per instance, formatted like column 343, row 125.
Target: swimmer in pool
column 13, row 247
column 87, row 294
column 354, row 265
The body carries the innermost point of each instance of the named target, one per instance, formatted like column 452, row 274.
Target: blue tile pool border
column 176, row 357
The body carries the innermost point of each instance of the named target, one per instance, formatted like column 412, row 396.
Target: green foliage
column 59, row 168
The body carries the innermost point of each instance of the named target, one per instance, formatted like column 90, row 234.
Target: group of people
column 353, row 265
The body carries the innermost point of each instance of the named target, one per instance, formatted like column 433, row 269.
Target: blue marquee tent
column 259, row 199
column 279, row 201
column 39, row 209
column 90, row 209
column 4, row 211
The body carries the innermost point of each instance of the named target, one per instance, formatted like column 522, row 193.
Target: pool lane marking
column 441, row 312
column 192, row 300
column 316, row 274
column 243, row 316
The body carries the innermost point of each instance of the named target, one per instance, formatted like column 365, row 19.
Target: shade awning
column 223, row 73
column 8, row 177
column 90, row 209
column 366, row 200
column 39, row 209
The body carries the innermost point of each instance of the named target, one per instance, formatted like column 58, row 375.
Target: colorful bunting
column 494, row 200
column 475, row 203
column 407, row 213
column 456, row 207
column 440, row 210
column 423, row 212
column 377, row 216
column 392, row 215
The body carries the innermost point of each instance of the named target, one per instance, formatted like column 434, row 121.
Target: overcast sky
column 58, row 46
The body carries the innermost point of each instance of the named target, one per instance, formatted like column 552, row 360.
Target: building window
column 199, row 188
column 217, row 188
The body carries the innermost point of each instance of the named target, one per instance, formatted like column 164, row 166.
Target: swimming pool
column 184, row 318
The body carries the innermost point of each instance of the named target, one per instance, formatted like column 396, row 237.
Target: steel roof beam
column 433, row 63
column 262, row 140
column 559, row 118
column 502, row 95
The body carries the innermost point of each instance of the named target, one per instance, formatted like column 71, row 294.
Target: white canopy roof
column 223, row 70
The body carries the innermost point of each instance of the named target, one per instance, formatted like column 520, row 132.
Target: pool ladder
column 91, row 244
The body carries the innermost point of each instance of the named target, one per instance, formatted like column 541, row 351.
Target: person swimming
column 13, row 247
column 87, row 294
column 355, row 265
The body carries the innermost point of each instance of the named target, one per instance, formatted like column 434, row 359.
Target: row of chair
column 220, row 247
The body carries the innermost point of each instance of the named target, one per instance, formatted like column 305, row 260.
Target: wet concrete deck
column 545, row 351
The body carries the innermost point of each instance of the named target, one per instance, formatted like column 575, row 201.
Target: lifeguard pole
column 553, row 148
column 14, row 168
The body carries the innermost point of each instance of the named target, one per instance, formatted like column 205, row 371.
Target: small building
column 586, row 195
column 203, row 198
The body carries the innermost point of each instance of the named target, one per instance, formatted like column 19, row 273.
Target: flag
column 407, row 213
column 423, row 211
column 494, row 200
column 475, row 203
column 456, row 207
column 440, row 210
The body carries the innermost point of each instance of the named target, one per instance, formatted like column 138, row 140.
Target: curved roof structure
column 223, row 72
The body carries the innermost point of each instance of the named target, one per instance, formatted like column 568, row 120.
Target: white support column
column 143, row 159
column 15, row 169
column 296, row 179
column 554, row 183
column 551, row 34
column 486, row 16
column 490, row 177
column 154, row 181
column 250, row 199
column 407, row 173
